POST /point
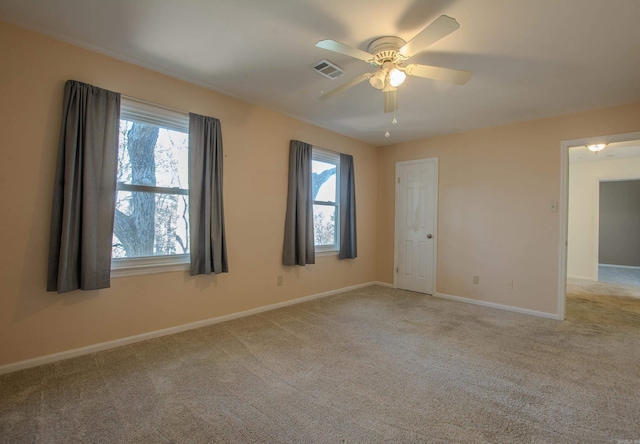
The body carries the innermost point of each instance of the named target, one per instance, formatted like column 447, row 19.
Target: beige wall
column 34, row 323
column 495, row 186
column 584, row 180
column 494, row 189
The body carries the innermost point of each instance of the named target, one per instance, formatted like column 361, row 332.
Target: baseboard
column 47, row 359
column 525, row 311
column 581, row 278
column 382, row 284
column 632, row 267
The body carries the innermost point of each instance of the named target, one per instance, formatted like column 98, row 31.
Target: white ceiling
column 529, row 58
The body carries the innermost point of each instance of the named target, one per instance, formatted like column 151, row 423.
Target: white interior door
column 416, row 217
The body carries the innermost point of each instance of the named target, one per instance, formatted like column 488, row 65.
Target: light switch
column 553, row 207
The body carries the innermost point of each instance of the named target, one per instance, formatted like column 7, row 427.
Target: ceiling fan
column 388, row 54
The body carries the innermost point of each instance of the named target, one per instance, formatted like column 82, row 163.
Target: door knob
column 429, row 236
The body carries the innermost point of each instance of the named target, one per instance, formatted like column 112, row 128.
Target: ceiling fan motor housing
column 385, row 49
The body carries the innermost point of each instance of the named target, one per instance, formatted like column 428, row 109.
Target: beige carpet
column 367, row 366
column 603, row 303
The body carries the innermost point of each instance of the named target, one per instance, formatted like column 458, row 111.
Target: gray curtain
column 298, row 226
column 206, row 208
column 84, row 190
column 348, row 235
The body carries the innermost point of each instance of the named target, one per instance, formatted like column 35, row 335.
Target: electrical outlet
column 279, row 281
column 509, row 285
column 476, row 280
column 553, row 207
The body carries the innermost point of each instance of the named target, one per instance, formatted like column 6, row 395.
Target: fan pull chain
column 393, row 122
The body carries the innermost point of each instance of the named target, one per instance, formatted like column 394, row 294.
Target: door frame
column 564, row 206
column 434, row 259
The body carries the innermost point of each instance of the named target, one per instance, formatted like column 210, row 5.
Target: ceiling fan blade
column 436, row 73
column 340, row 89
column 439, row 28
column 341, row 48
column 390, row 101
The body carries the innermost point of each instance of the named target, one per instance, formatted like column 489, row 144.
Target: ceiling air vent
column 328, row 69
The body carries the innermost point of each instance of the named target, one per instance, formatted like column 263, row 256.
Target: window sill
column 320, row 253
column 122, row 267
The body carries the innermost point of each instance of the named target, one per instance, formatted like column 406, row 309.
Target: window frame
column 324, row 155
column 141, row 111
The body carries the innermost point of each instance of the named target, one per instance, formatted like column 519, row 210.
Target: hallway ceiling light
column 597, row 147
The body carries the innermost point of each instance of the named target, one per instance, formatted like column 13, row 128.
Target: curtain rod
column 156, row 105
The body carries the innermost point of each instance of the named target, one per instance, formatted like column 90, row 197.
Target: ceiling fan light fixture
column 388, row 87
column 596, row 147
column 396, row 77
column 378, row 79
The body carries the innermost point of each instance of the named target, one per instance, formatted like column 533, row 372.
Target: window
column 151, row 227
column 325, row 169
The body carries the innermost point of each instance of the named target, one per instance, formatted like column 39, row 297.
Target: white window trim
column 324, row 155
column 327, row 250
column 134, row 266
column 333, row 252
column 146, row 112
